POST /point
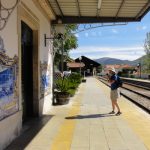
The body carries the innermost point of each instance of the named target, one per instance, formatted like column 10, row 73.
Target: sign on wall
column 8, row 83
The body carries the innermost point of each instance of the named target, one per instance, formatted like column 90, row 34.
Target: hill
column 112, row 61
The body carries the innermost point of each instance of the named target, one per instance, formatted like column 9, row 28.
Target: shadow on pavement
column 29, row 131
column 90, row 116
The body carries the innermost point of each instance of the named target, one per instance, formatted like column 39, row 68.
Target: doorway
column 27, row 70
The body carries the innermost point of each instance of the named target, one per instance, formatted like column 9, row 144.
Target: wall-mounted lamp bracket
column 59, row 36
column 47, row 38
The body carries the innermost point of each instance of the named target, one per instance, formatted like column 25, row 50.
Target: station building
column 25, row 65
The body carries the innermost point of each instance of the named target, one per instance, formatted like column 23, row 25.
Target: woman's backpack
column 119, row 82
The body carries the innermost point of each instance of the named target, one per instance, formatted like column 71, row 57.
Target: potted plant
column 62, row 95
column 83, row 80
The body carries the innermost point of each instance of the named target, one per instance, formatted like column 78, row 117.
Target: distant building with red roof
column 75, row 65
column 117, row 67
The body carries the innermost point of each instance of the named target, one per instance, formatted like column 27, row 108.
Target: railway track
column 137, row 92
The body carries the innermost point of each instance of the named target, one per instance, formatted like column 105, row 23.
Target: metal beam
column 99, row 4
column 83, row 20
column 146, row 6
column 59, row 8
column 121, row 5
column 51, row 8
column 98, row 11
column 78, row 7
column 146, row 11
column 99, row 7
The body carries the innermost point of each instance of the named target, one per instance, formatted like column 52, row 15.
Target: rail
column 136, row 93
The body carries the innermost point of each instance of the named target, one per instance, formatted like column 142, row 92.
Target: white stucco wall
column 10, row 127
column 10, row 37
column 45, row 54
column 44, row 29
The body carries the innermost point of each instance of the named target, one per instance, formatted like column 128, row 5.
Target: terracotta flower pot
column 62, row 98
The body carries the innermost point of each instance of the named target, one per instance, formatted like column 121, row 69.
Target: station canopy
column 98, row 11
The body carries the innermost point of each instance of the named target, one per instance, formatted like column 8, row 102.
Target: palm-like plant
column 63, row 84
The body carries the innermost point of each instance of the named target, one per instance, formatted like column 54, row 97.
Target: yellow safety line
column 63, row 139
column 136, row 120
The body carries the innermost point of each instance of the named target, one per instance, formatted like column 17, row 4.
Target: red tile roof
column 75, row 65
column 118, row 66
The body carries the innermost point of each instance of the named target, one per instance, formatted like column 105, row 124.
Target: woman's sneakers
column 112, row 112
column 118, row 113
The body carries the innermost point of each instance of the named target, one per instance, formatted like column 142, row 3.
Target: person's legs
column 113, row 105
column 114, row 97
column 118, row 108
column 116, row 104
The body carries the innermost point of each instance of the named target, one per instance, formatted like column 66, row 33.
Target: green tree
column 99, row 68
column 69, row 42
column 147, row 51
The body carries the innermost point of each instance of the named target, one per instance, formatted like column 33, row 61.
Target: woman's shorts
column 114, row 94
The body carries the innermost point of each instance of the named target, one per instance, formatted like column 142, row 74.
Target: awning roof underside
column 98, row 11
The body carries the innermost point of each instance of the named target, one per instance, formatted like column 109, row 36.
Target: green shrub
column 68, row 84
column 72, row 92
column 75, row 78
column 73, row 85
column 63, row 84
column 132, row 76
column 124, row 75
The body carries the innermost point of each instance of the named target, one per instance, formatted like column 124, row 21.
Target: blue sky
column 123, row 42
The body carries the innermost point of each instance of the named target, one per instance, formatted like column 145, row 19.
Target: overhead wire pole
column 80, row 58
column 59, row 30
column 62, row 44
column 62, row 56
column 53, row 57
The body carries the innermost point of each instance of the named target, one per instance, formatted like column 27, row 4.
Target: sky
column 124, row 42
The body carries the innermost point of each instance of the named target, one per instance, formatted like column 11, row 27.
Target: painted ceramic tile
column 8, row 83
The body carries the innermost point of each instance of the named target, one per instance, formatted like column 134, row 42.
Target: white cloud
column 86, row 34
column 130, row 53
column 114, row 31
column 77, row 35
column 100, row 33
column 106, row 49
column 139, row 28
column 93, row 33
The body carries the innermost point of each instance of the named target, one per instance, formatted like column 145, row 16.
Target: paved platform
column 84, row 124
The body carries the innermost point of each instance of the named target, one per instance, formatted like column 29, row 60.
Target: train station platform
column 85, row 124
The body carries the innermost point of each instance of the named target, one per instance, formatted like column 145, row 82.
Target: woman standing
column 114, row 93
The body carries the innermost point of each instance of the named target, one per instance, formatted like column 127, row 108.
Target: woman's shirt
column 114, row 84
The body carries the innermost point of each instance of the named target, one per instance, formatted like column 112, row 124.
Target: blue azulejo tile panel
column 9, row 103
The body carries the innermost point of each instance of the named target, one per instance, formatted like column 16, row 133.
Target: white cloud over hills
column 94, row 52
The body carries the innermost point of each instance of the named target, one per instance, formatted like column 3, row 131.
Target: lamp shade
column 80, row 58
column 60, row 28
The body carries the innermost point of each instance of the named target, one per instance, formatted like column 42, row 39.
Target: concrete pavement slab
column 84, row 124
